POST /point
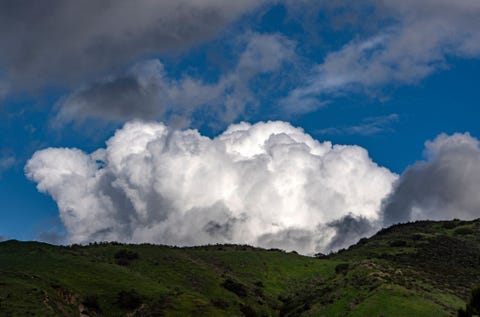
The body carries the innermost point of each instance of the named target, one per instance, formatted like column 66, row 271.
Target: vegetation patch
column 235, row 287
column 129, row 299
column 125, row 257
column 463, row 231
column 91, row 303
column 430, row 273
column 342, row 268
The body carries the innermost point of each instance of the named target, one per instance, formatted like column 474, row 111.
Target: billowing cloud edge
column 268, row 184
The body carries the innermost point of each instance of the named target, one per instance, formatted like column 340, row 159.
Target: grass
column 416, row 269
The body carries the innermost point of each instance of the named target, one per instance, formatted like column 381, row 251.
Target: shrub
column 220, row 303
column 320, row 255
column 129, row 299
column 259, row 284
column 449, row 225
column 124, row 257
column 342, row 268
column 156, row 308
column 276, row 250
column 259, row 292
column 91, row 302
column 235, row 287
column 122, row 261
column 462, row 313
column 417, row 236
column 362, row 241
column 398, row 243
column 284, row 299
column 473, row 306
column 248, row 311
column 463, row 231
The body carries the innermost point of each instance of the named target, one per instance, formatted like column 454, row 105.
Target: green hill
column 418, row 269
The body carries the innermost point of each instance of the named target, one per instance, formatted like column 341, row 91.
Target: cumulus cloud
column 444, row 186
column 412, row 41
column 267, row 184
column 41, row 40
column 147, row 92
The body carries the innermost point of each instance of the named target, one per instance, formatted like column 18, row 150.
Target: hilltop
column 424, row 268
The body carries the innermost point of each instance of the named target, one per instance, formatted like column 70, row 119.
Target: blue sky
column 386, row 76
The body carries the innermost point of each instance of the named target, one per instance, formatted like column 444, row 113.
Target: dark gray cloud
column 116, row 98
column 146, row 91
column 293, row 239
column 65, row 41
column 331, row 236
column 2, row 238
column 223, row 229
column 445, row 186
column 349, row 230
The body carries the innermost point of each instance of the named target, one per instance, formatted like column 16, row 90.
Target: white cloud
column 413, row 41
column 6, row 162
column 367, row 126
column 444, row 186
column 266, row 184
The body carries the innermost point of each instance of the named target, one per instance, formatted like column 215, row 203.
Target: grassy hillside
column 417, row 269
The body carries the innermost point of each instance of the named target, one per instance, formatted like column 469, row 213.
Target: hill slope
column 417, row 269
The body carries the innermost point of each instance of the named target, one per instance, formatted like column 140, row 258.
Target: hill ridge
column 423, row 268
